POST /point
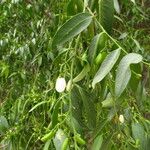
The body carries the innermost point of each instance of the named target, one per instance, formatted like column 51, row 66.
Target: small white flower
column 60, row 84
column 121, row 118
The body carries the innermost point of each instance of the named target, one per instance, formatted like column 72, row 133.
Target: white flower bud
column 121, row 119
column 60, row 84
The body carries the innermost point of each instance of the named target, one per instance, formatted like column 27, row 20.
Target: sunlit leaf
column 106, row 66
column 123, row 72
column 71, row 28
column 116, row 6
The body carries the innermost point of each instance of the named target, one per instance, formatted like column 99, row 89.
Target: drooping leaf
column 123, row 72
column 82, row 74
column 76, row 103
column 71, row 28
column 116, row 6
column 37, row 105
column 89, row 107
column 106, row 66
column 97, row 44
column 106, row 14
column 55, row 114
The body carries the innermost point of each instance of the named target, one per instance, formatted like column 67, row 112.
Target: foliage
column 100, row 48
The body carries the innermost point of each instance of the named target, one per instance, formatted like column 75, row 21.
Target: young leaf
column 106, row 66
column 106, row 14
column 123, row 72
column 71, row 28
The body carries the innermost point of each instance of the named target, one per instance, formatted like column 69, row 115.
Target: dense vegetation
column 100, row 48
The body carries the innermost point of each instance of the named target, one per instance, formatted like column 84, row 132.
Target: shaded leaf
column 76, row 105
column 89, row 107
column 55, row 114
column 106, row 14
column 97, row 44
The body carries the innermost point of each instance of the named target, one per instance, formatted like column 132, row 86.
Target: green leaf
column 106, row 66
column 3, row 124
column 116, row 6
column 108, row 102
column 55, row 113
column 138, row 134
column 47, row 144
column 74, row 6
column 97, row 142
column 71, row 28
column 97, row 44
column 76, row 105
column 106, row 14
column 123, row 72
column 37, row 105
column 89, row 107
column 82, row 74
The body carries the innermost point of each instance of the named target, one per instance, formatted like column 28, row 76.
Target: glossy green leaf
column 106, row 14
column 71, row 28
column 123, row 72
column 106, row 66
